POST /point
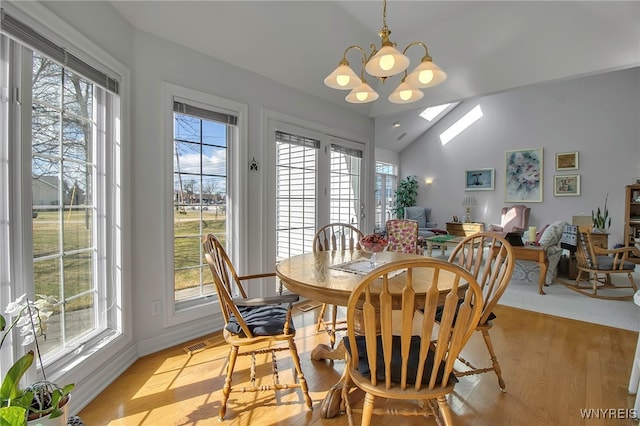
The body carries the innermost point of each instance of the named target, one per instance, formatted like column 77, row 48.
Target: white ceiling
column 484, row 46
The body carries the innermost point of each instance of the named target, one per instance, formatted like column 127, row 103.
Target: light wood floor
column 553, row 367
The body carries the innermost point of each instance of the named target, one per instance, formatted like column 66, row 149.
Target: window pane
column 78, row 229
column 295, row 196
column 62, row 183
column 200, row 196
column 78, row 95
column 45, row 128
column 47, row 76
column 77, row 273
column 385, row 185
column 214, row 161
column 344, row 202
column 79, row 316
column 76, row 139
column 214, row 134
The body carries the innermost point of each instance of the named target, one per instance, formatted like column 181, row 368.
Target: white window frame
column 16, row 234
column 180, row 312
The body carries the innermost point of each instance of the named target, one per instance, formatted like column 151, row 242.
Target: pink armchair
column 513, row 219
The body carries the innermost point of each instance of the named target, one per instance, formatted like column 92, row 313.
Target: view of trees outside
column 200, row 199
column 63, row 168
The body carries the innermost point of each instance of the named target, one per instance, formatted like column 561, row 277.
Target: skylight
column 432, row 112
column 467, row 120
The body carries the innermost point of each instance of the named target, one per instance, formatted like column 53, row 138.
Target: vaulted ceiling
column 484, row 46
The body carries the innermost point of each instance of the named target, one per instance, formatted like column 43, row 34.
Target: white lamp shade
column 405, row 94
column 425, row 75
column 469, row 201
column 387, row 62
column 343, row 78
column 362, row 94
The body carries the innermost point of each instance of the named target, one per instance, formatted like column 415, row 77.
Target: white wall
column 597, row 116
column 157, row 60
column 386, row 156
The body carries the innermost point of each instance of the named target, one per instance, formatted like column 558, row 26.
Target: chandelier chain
column 384, row 14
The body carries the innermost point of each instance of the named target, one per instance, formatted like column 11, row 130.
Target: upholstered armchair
column 513, row 219
column 423, row 217
column 526, row 270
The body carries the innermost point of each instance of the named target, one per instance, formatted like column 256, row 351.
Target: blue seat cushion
column 396, row 361
column 605, row 263
column 261, row 320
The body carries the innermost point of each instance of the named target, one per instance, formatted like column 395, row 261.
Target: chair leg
column 334, row 320
column 494, row 359
column 301, row 379
column 346, row 387
column 632, row 282
column 367, row 409
column 321, row 316
column 226, row 389
column 445, row 410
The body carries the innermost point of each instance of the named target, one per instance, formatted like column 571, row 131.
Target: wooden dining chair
column 416, row 363
column 402, row 235
column 331, row 237
column 489, row 258
column 253, row 326
column 597, row 266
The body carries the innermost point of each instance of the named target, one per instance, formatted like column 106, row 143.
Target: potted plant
column 601, row 219
column 406, row 195
column 39, row 400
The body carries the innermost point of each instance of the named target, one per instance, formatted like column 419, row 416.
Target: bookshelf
column 632, row 218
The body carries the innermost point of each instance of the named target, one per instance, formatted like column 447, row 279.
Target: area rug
column 564, row 302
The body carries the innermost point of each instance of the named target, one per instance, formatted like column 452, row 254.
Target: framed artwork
column 479, row 180
column 566, row 185
column 523, row 179
column 567, row 160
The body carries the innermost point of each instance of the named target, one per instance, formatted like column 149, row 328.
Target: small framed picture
column 567, row 160
column 566, row 185
column 479, row 180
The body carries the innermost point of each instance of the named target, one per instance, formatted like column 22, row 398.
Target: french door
column 318, row 180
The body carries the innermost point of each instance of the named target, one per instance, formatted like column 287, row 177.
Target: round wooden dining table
column 330, row 277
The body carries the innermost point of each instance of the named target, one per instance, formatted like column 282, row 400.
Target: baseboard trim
column 188, row 331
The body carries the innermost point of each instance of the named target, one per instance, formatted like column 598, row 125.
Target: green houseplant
column 406, row 195
column 40, row 399
column 600, row 218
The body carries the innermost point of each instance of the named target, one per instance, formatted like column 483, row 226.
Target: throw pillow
column 540, row 232
column 552, row 234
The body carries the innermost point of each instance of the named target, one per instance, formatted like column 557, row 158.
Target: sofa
column 422, row 215
column 549, row 238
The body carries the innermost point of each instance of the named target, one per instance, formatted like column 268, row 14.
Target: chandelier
column 384, row 63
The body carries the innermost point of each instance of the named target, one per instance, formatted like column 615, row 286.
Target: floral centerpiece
column 40, row 399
